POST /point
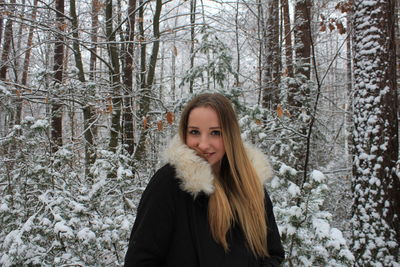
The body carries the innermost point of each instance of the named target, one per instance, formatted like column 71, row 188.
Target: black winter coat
column 171, row 227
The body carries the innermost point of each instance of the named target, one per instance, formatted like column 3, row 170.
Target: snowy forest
column 91, row 92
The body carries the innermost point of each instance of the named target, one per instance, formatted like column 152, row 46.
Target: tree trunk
column 128, row 120
column 302, row 37
column 88, row 111
column 56, row 108
column 297, row 95
column 260, row 33
column 1, row 19
column 237, row 43
column 376, row 207
column 88, row 114
column 93, row 38
column 18, row 48
column 27, row 58
column 192, row 39
column 24, row 78
column 271, row 68
column 147, row 82
column 114, row 78
column 8, row 36
column 287, row 38
column 397, row 36
column 348, row 117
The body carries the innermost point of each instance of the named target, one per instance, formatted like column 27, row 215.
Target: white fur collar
column 195, row 173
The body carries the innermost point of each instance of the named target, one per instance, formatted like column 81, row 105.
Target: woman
column 207, row 206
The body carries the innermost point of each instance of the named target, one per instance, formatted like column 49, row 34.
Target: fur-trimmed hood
column 195, row 173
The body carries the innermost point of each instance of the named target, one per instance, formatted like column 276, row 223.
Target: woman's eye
column 217, row 133
column 194, row 132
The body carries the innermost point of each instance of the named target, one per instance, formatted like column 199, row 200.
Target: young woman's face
column 204, row 135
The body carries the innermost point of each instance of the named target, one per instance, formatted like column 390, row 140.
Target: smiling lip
column 207, row 155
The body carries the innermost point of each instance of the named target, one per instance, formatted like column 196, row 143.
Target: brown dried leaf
column 279, row 111
column 160, row 125
column 343, row 6
column 170, row 117
column 109, row 107
column 340, row 27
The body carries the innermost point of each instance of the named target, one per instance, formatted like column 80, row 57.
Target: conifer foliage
column 91, row 92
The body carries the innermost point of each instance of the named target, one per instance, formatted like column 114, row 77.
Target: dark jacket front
column 171, row 226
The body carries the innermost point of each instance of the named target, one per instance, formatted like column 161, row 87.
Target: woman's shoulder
column 166, row 170
column 164, row 179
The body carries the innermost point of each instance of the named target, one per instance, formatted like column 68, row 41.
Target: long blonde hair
column 238, row 195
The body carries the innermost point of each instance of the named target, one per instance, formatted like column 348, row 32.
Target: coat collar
column 195, row 173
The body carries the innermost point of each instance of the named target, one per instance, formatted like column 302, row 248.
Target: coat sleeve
column 275, row 248
column 152, row 230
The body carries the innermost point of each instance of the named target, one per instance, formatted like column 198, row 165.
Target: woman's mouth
column 207, row 155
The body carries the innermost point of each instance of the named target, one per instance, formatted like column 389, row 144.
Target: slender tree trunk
column 375, row 184
column 348, row 116
column 161, row 79
column 271, row 68
column 128, row 120
column 88, row 114
column 192, row 38
column 114, row 78
column 18, row 103
column 261, row 38
column 8, row 36
column 237, row 42
column 56, row 108
column 302, row 37
column 174, row 53
column 147, row 82
column 75, row 44
column 299, row 98
column 287, row 38
column 2, row 8
column 154, row 52
column 18, row 47
column 27, row 58
column 93, row 38
column 397, row 36
column 297, row 95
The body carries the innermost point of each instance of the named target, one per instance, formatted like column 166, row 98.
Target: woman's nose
column 203, row 143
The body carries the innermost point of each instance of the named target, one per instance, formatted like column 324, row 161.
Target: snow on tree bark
column 58, row 69
column 375, row 184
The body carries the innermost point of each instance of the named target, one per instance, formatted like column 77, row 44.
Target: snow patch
column 86, row 235
column 317, row 176
column 284, row 169
column 40, row 124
